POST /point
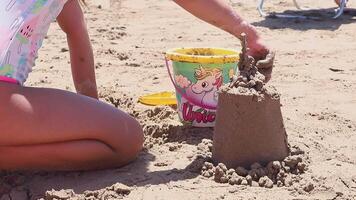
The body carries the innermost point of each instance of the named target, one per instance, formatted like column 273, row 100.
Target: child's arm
column 220, row 14
column 72, row 23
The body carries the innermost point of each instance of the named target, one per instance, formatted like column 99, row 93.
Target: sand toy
column 198, row 74
column 249, row 126
column 159, row 99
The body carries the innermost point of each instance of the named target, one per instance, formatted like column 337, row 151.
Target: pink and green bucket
column 198, row 73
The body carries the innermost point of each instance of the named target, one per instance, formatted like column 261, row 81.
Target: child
column 53, row 129
column 49, row 129
column 221, row 15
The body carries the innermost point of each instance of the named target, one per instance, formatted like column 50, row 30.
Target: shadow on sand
column 320, row 19
column 135, row 174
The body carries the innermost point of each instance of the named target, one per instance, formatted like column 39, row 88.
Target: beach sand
column 315, row 72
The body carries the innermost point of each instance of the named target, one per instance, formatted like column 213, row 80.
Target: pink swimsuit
column 23, row 26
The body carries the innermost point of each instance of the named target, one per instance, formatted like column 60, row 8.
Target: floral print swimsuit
column 23, row 26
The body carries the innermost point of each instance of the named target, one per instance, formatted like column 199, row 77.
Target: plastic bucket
column 198, row 73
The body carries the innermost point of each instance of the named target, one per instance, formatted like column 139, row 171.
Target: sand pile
column 158, row 122
column 274, row 173
column 249, row 125
column 248, row 80
column 116, row 191
column 285, row 173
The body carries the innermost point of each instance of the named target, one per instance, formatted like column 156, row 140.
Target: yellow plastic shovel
column 159, row 99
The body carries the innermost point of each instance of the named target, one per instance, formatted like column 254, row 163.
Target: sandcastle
column 249, row 126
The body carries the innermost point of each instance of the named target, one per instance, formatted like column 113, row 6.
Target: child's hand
column 265, row 66
column 264, row 58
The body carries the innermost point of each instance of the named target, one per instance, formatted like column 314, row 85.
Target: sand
column 249, row 124
column 287, row 172
column 315, row 74
column 248, row 129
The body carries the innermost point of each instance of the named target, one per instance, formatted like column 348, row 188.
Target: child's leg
column 54, row 129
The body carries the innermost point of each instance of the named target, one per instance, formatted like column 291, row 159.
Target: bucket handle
column 181, row 92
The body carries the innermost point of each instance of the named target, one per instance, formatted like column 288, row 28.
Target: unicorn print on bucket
column 208, row 83
column 204, row 90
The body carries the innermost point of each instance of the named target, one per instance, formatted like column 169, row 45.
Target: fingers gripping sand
column 248, row 75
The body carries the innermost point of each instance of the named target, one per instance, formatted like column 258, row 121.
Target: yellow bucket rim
column 220, row 55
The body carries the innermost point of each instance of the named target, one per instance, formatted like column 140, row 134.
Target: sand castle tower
column 249, row 126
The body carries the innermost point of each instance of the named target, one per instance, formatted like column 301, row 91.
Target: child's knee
column 127, row 139
column 136, row 137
